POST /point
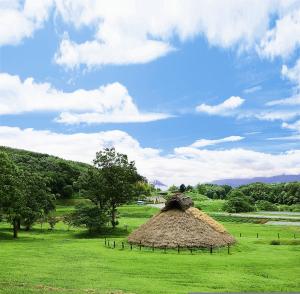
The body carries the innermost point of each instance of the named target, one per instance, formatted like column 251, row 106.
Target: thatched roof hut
column 181, row 224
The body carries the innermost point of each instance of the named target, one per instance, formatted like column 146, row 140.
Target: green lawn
column 63, row 261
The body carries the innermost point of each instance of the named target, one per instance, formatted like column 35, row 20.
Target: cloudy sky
column 193, row 91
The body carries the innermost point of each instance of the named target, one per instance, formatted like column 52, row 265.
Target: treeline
column 250, row 197
column 62, row 175
column 279, row 193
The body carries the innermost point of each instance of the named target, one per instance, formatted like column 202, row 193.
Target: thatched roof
column 180, row 224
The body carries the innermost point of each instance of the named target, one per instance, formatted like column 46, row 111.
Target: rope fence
column 112, row 244
column 122, row 245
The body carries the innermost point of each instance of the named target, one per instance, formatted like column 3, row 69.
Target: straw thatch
column 180, row 224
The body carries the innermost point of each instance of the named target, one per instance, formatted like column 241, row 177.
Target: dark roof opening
column 178, row 201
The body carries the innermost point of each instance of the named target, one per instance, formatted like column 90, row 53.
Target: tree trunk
column 114, row 216
column 15, row 228
column 19, row 224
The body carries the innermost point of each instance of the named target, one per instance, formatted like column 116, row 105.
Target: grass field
column 63, row 261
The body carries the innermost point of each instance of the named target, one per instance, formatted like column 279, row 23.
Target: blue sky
column 190, row 95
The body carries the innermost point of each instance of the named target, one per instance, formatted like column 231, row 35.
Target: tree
column 67, row 191
column 213, row 191
column 142, row 189
column 38, row 201
column 11, row 198
column 90, row 216
column 238, row 202
column 182, row 188
column 189, row 188
column 111, row 182
column 173, row 189
column 24, row 196
column 52, row 221
column 265, row 205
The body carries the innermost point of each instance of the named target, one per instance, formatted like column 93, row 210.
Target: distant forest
column 62, row 174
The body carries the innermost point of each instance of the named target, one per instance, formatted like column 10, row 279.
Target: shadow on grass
column 39, row 234
column 104, row 233
column 34, row 234
column 6, row 234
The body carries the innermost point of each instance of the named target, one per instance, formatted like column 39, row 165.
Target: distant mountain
column 269, row 180
column 158, row 184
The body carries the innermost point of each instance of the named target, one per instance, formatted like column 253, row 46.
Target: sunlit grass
column 72, row 261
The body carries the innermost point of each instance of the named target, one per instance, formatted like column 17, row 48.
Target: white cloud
column 91, row 53
column 284, row 38
column 295, row 127
column 292, row 126
column 109, row 103
column 271, row 115
column 252, row 89
column 224, row 108
column 294, row 100
column 185, row 165
column 131, row 31
column 116, row 116
column 20, row 20
column 293, row 74
column 285, row 138
column 206, row 142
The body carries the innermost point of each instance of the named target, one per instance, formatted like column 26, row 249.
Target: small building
column 156, row 199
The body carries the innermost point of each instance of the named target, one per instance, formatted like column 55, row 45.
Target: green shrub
column 295, row 207
column 238, row 202
column 284, row 207
column 266, row 205
column 89, row 216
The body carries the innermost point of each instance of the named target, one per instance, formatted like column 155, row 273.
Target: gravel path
column 259, row 215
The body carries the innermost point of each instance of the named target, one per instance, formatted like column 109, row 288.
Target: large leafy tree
column 111, row 182
column 38, row 201
column 24, row 196
column 118, row 179
column 11, row 197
